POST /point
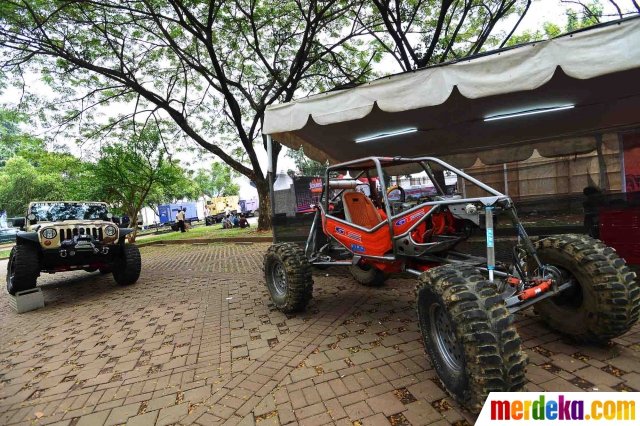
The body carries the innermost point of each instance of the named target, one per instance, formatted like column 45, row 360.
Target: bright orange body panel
column 402, row 224
column 375, row 243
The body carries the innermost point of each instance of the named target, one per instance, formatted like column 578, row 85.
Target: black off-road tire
column 24, row 268
column 368, row 275
column 488, row 354
column 607, row 302
column 126, row 268
column 288, row 277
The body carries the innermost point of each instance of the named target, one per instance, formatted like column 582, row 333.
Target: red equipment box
column 620, row 229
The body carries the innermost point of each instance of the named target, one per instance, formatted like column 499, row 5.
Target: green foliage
column 21, row 183
column 217, row 181
column 12, row 140
column 590, row 14
column 304, row 165
column 128, row 173
column 30, row 173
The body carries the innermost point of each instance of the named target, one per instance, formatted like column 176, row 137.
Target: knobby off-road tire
column 23, row 269
column 288, row 277
column 468, row 334
column 126, row 268
column 368, row 275
column 605, row 305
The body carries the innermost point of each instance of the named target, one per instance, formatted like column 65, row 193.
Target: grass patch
column 215, row 231
column 5, row 253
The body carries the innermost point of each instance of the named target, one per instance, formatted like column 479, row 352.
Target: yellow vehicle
column 216, row 207
column 59, row 236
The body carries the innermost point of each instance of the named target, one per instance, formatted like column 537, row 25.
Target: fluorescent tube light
column 386, row 135
column 530, row 112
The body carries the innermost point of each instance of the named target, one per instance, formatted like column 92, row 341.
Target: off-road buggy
column 65, row 236
column 464, row 303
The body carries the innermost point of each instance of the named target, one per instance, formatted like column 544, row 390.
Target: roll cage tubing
column 497, row 197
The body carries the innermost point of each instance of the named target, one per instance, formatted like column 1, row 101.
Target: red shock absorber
column 535, row 291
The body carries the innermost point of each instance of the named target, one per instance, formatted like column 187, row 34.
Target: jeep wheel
column 288, row 277
column 468, row 334
column 23, row 269
column 368, row 275
column 605, row 302
column 126, row 268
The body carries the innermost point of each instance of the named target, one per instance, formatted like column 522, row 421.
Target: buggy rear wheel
column 605, row 301
column 468, row 334
column 288, row 277
column 368, row 275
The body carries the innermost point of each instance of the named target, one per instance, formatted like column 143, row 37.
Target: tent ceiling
column 597, row 71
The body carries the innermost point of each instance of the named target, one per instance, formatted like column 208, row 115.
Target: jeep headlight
column 110, row 231
column 49, row 233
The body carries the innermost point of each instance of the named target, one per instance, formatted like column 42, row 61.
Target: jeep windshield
column 55, row 212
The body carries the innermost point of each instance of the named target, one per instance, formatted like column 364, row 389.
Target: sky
column 541, row 11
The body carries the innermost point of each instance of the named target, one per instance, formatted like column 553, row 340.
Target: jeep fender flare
column 27, row 238
column 123, row 232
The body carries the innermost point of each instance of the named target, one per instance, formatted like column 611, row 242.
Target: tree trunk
column 264, row 206
column 133, row 217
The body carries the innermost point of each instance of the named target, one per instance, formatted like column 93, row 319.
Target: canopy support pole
column 506, row 181
column 270, row 180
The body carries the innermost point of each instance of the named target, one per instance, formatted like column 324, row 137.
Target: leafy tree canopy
column 217, row 181
column 13, row 141
column 304, row 165
column 587, row 14
column 129, row 172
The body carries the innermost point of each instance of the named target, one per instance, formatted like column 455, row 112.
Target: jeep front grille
column 67, row 234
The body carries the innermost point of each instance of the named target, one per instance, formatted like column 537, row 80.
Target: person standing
column 180, row 220
column 227, row 211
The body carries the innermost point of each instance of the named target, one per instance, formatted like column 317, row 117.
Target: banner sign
column 543, row 408
column 308, row 192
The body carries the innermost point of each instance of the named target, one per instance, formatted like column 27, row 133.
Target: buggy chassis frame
column 412, row 249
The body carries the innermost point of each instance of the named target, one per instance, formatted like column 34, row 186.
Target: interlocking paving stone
column 198, row 339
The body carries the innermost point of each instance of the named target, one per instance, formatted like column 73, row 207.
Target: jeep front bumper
column 79, row 257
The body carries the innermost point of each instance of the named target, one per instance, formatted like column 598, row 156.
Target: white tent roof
column 596, row 70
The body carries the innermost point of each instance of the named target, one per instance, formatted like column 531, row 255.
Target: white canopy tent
column 497, row 106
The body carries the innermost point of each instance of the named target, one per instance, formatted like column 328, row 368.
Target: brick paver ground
column 197, row 340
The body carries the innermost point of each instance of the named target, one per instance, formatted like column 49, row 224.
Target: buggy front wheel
column 288, row 277
column 468, row 334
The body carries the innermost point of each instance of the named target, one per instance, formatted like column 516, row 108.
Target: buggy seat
column 359, row 209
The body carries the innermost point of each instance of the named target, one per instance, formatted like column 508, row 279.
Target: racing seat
column 359, row 209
